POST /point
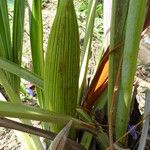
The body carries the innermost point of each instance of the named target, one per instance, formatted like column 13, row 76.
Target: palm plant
column 60, row 78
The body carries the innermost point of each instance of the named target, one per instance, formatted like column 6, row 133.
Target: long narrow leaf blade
column 8, row 109
column 17, row 37
column 145, row 127
column 13, row 97
column 5, row 40
column 62, row 63
column 36, row 40
column 21, row 72
column 86, row 47
column 135, row 22
column 61, row 138
column 5, row 31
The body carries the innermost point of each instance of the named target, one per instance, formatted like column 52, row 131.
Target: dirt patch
column 143, row 70
column 8, row 140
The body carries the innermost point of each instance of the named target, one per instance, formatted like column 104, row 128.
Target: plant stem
column 7, row 123
column 28, row 112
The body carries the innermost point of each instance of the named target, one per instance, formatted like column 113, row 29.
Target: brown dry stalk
column 100, row 80
column 135, row 126
column 4, row 122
